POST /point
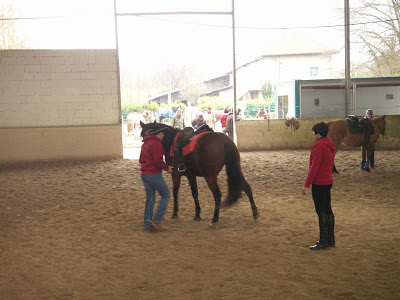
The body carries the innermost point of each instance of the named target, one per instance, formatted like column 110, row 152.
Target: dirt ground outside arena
column 73, row 230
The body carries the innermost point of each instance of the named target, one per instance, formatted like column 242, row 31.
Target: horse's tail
column 234, row 175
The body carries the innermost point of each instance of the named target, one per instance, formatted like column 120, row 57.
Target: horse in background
column 134, row 118
column 211, row 152
column 339, row 133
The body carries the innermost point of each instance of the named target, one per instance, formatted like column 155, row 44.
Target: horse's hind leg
column 212, row 184
column 249, row 193
column 193, row 185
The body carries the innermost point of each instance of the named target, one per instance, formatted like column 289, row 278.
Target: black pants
column 322, row 198
column 322, row 201
column 372, row 158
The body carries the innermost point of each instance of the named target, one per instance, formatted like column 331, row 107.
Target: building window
column 389, row 97
column 316, row 102
column 314, row 72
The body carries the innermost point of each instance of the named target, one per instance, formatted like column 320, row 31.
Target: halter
column 152, row 131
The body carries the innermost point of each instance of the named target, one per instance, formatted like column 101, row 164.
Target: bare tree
column 193, row 92
column 175, row 76
column 9, row 37
column 379, row 36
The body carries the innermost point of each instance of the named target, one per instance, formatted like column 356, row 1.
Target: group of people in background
column 209, row 118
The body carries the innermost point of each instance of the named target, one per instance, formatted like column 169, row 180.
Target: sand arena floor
column 73, row 230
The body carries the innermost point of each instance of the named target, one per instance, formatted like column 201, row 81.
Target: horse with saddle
column 364, row 126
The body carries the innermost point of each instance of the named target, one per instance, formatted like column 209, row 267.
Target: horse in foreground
column 211, row 152
column 339, row 133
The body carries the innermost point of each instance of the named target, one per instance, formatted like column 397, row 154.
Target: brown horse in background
column 212, row 151
column 339, row 133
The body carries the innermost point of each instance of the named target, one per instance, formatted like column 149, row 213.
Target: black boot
column 372, row 158
column 331, row 230
column 323, row 242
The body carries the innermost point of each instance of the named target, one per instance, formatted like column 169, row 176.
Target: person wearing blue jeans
column 154, row 183
column 151, row 165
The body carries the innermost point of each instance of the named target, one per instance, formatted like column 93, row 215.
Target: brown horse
column 339, row 133
column 212, row 151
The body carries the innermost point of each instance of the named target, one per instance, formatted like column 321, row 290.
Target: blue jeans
column 153, row 183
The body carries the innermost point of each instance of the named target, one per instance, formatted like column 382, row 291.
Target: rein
column 172, row 147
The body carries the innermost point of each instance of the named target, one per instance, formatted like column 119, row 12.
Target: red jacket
column 151, row 156
column 322, row 158
column 223, row 119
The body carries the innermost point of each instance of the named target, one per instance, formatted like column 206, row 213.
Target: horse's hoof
column 174, row 216
column 256, row 216
column 196, row 218
column 212, row 226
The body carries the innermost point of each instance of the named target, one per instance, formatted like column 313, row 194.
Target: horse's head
column 169, row 132
column 380, row 123
column 155, row 126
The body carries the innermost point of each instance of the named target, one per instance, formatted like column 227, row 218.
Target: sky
column 149, row 43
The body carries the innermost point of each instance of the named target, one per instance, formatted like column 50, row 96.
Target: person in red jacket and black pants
column 320, row 177
column 152, row 164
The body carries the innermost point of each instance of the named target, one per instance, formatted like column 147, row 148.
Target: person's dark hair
column 321, row 128
column 225, row 110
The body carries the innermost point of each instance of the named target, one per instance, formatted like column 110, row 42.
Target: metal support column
column 347, row 55
column 117, row 58
column 234, row 72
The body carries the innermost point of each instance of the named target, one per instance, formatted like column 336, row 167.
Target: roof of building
column 293, row 44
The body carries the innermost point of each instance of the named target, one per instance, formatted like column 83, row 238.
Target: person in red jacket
column 223, row 120
column 151, row 166
column 320, row 177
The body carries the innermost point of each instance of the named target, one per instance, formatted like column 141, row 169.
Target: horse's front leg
column 193, row 185
column 176, row 180
column 212, row 184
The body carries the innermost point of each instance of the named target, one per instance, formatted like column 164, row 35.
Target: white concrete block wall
column 59, row 104
column 40, row 88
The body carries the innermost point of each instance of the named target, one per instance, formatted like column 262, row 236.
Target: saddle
column 185, row 137
column 364, row 126
column 354, row 124
column 188, row 134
